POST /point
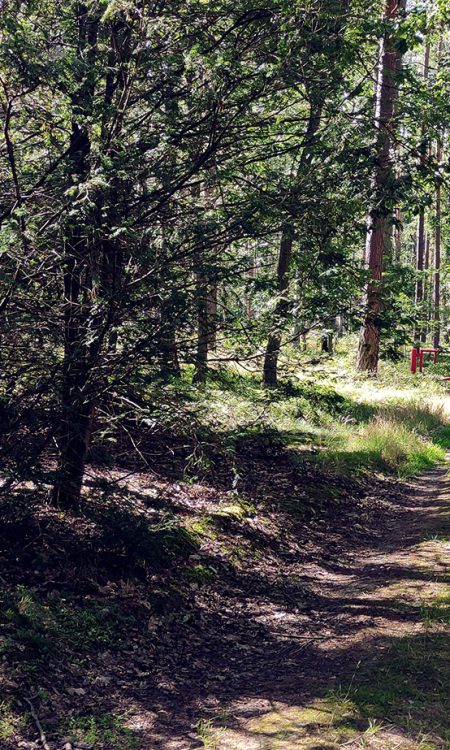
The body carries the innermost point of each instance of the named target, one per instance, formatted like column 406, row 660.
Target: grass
column 39, row 626
column 200, row 574
column 395, row 425
column 400, row 700
column 383, row 444
column 439, row 611
column 257, row 446
column 101, row 731
column 409, row 688
column 355, row 425
column 7, row 721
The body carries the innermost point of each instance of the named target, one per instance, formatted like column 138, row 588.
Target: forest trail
column 367, row 666
column 312, row 617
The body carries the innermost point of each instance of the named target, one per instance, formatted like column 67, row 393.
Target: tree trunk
column 380, row 216
column 201, row 357
column 298, row 323
column 398, row 237
column 437, row 258
column 169, row 362
column 444, row 317
column 420, row 241
column 270, row 372
column 426, row 289
column 339, row 326
column 327, row 343
column 252, row 273
column 212, row 316
column 76, row 405
column 270, row 369
column 76, row 392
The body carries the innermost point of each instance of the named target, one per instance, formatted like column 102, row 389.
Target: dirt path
column 363, row 662
column 313, row 617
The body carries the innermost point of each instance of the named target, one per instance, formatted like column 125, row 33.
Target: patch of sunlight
column 329, row 724
column 7, row 721
column 319, row 726
column 374, row 392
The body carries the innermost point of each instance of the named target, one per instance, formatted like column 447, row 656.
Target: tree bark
column 76, row 406
column 398, row 237
column 76, row 397
column 212, row 316
column 270, row 369
column 426, row 288
column 201, row 357
column 420, row 241
column 274, row 342
column 169, row 361
column 339, row 326
column 437, row 258
column 380, row 216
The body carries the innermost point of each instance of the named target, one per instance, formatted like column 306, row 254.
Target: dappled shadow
column 174, row 628
column 389, row 692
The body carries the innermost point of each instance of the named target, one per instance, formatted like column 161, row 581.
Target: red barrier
column 417, row 354
column 434, row 352
column 414, row 355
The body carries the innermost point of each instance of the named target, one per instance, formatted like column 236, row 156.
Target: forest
column 224, row 373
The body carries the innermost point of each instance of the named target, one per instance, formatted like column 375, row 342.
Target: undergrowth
column 354, row 426
column 230, row 477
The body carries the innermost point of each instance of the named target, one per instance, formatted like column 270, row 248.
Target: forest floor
column 367, row 663
column 301, row 606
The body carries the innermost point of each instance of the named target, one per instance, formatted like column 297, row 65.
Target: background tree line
column 189, row 183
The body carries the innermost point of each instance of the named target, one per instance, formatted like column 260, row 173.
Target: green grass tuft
column 102, row 731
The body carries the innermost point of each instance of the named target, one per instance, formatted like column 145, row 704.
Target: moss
column 320, row 724
column 203, row 526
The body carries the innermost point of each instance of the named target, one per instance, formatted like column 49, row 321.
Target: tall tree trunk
column 270, row 369
column 420, row 240
column 426, row 289
column 420, row 258
column 298, row 323
column 380, row 216
column 444, row 316
column 251, row 273
column 169, row 364
column 76, row 405
column 437, row 257
column 206, row 325
column 76, row 397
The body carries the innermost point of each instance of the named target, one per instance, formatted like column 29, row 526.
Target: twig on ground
column 42, row 737
column 308, row 638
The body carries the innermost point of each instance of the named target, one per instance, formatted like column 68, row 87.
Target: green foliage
column 438, row 611
column 128, row 541
column 144, row 197
column 7, row 721
column 42, row 626
column 403, row 440
column 200, row 574
column 101, row 731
